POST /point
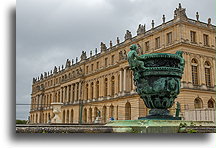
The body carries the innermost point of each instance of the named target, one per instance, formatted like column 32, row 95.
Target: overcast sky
column 50, row 31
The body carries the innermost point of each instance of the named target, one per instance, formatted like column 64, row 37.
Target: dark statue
column 157, row 79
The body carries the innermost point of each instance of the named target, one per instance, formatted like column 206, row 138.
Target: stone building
column 103, row 82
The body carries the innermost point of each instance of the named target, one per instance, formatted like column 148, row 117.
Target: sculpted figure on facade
column 209, row 21
column 34, row 80
column 41, row 77
column 180, row 13
column 68, row 63
column 128, row 35
column 117, row 40
column 141, row 29
column 83, row 56
column 103, row 47
column 197, row 16
column 164, row 18
column 55, row 71
column 45, row 74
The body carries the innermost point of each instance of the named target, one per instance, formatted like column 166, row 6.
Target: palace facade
column 104, row 81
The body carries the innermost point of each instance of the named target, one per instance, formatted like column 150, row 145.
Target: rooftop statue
column 157, row 79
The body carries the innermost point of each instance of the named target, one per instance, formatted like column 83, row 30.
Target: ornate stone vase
column 157, row 79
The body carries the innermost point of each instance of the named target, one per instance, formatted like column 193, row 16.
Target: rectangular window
column 193, row 36
column 92, row 67
column 157, row 42
column 207, row 77
column 205, row 40
column 106, row 60
column 194, row 75
column 215, row 41
column 97, row 65
column 113, row 56
column 86, row 69
column 169, row 38
column 147, row 46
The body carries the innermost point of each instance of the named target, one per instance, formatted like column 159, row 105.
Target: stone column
column 116, row 85
column 75, row 92
column 61, row 95
column 202, row 72
column 67, row 100
column 101, row 87
column 72, row 95
column 188, row 69
column 120, row 80
column 125, row 79
column 37, row 101
column 108, row 86
column 71, row 92
column 40, row 100
column 213, row 73
column 80, row 91
column 94, row 90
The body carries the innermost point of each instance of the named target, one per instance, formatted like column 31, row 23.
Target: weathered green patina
column 157, row 78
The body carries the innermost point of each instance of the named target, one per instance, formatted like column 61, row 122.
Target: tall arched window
column 71, row 116
column 92, row 90
column 105, row 86
column 198, row 103
column 67, row 117
column 97, row 89
column 85, row 115
column 51, row 99
column 69, row 94
column 207, row 73
column 111, row 111
column 63, row 116
column 127, row 111
column 90, row 115
column 59, row 96
column 104, row 112
column 194, row 67
column 118, row 83
column 211, row 103
column 73, row 92
column 47, row 100
column 77, row 91
column 36, row 118
column 95, row 112
column 112, row 86
column 55, row 98
column 87, row 91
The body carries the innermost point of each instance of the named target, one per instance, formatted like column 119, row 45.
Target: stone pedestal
column 159, row 126
column 57, row 112
column 98, row 120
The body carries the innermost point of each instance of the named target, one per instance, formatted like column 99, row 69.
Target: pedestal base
column 161, row 126
column 164, row 117
column 98, row 120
